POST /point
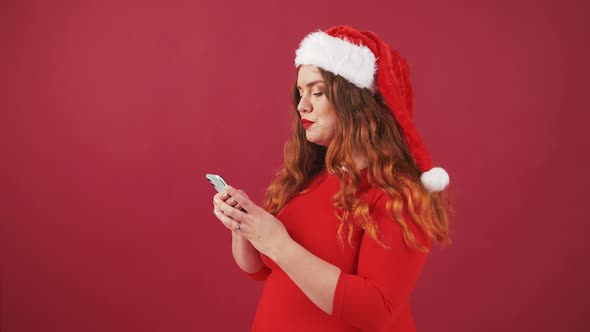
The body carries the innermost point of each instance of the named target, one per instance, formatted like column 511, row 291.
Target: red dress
column 375, row 284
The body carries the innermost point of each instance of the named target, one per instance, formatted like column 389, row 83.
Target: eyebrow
column 310, row 84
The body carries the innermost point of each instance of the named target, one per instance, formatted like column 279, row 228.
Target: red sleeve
column 262, row 274
column 385, row 277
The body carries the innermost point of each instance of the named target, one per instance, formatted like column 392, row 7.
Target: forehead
column 308, row 74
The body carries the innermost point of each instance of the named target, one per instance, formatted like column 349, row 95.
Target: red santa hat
column 366, row 61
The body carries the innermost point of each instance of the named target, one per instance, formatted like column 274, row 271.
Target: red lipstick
column 307, row 123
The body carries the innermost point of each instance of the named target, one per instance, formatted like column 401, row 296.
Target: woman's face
column 317, row 115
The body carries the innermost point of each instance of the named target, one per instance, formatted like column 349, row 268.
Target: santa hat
column 366, row 61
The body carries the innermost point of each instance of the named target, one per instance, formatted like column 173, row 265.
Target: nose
column 304, row 105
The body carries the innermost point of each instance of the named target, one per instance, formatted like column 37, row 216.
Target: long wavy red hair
column 367, row 125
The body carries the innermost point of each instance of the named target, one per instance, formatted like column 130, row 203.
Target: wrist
column 282, row 249
column 241, row 243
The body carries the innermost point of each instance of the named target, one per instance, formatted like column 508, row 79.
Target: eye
column 318, row 94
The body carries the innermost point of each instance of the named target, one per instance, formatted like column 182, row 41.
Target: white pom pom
column 436, row 179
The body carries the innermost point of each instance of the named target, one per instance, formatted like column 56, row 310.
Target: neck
column 360, row 161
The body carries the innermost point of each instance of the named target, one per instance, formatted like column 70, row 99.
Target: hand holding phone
column 219, row 183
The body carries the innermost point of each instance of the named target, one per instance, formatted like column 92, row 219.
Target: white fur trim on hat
column 436, row 179
column 355, row 63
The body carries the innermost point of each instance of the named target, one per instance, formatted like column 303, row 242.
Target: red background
column 112, row 113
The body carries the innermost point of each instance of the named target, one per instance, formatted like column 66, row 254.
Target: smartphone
column 217, row 182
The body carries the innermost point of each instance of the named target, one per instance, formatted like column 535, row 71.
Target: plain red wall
column 112, row 113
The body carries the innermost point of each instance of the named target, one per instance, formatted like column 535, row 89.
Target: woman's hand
column 224, row 197
column 266, row 233
column 245, row 254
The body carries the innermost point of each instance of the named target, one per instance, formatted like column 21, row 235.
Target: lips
column 306, row 123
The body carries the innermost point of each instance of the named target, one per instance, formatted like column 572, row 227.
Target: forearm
column 245, row 255
column 314, row 276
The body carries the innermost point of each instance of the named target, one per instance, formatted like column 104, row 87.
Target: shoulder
column 393, row 219
column 374, row 196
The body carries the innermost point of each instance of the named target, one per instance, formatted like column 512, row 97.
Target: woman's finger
column 231, row 212
column 241, row 198
column 220, row 216
column 244, row 229
column 235, row 204
column 222, row 196
column 227, row 221
column 231, row 201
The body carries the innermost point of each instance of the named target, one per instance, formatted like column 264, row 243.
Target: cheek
column 327, row 118
column 333, row 127
column 332, row 121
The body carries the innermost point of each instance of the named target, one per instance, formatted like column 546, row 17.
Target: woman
column 349, row 218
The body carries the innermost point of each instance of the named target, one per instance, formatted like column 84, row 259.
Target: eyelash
column 317, row 94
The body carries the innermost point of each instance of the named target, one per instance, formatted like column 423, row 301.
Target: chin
column 317, row 141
